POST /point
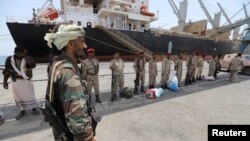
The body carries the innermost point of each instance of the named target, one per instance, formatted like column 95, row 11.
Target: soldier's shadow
column 108, row 107
column 28, row 124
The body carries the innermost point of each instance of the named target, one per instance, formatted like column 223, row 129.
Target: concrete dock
column 175, row 116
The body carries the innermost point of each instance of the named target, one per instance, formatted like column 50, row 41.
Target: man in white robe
column 20, row 84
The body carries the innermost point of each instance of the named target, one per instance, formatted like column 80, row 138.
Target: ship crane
column 246, row 14
column 232, row 26
column 180, row 13
column 217, row 16
column 227, row 28
column 236, row 30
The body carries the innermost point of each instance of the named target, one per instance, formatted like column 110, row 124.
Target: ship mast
column 236, row 30
column 217, row 16
column 180, row 13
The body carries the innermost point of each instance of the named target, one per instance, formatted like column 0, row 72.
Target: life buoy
column 144, row 11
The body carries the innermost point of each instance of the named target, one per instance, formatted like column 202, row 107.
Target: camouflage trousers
column 211, row 71
column 178, row 75
column 117, row 81
column 199, row 71
column 141, row 78
column 152, row 79
column 233, row 74
column 164, row 78
column 191, row 72
column 93, row 81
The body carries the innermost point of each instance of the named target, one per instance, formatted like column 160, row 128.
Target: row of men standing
column 195, row 63
column 90, row 69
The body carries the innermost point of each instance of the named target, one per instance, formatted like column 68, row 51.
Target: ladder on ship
column 126, row 41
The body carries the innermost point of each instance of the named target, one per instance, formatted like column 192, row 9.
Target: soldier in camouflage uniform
column 191, row 66
column 152, row 71
column 90, row 69
column 212, row 66
column 166, row 66
column 195, row 66
column 200, row 65
column 178, row 68
column 217, row 68
column 235, row 65
column 69, row 98
column 139, row 67
column 116, row 66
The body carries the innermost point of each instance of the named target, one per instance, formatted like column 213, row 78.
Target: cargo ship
column 121, row 26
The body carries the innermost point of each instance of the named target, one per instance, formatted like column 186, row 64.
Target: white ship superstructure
column 116, row 14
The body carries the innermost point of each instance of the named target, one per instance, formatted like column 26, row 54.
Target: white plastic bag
column 158, row 92
column 209, row 78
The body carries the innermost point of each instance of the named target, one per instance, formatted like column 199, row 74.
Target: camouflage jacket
column 139, row 65
column 166, row 65
column 70, row 93
column 178, row 65
column 236, row 64
column 117, row 66
column 90, row 67
column 152, row 67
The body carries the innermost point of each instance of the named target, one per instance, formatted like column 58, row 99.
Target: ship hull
column 31, row 37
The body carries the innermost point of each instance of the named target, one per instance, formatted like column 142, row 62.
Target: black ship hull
column 31, row 37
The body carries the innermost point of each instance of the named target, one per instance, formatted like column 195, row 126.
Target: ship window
column 79, row 23
column 71, row 22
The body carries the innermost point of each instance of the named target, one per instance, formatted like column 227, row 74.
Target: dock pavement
column 175, row 116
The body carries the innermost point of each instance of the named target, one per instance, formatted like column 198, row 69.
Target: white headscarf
column 63, row 35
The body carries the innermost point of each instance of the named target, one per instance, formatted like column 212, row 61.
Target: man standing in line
column 166, row 66
column 21, row 84
column 116, row 66
column 234, row 66
column 90, row 69
column 212, row 66
column 68, row 96
column 178, row 68
column 217, row 64
column 191, row 63
column 195, row 66
column 200, row 65
column 152, row 72
column 139, row 67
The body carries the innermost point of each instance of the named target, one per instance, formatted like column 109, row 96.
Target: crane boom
column 207, row 13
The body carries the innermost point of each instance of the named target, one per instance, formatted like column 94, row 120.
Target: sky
column 22, row 9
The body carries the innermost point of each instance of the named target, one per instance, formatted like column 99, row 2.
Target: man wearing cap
column 200, row 65
column 195, row 66
column 152, row 70
column 116, row 66
column 178, row 68
column 235, row 65
column 91, row 69
column 212, row 66
column 191, row 66
column 139, row 67
column 217, row 66
column 68, row 96
column 166, row 66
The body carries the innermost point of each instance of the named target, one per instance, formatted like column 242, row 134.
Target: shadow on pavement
column 109, row 107
column 31, row 123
